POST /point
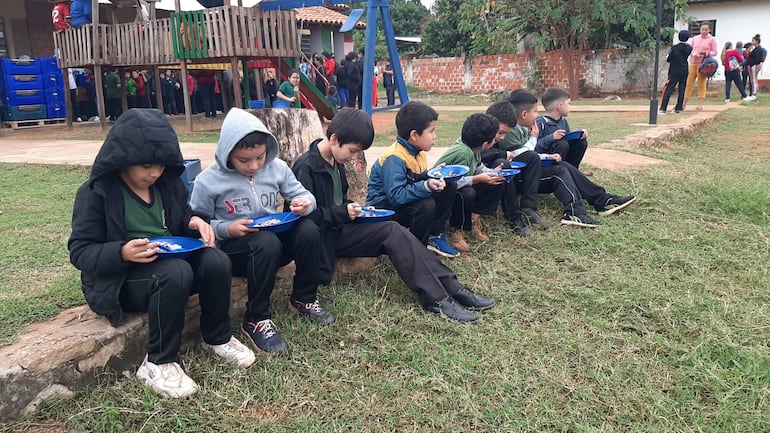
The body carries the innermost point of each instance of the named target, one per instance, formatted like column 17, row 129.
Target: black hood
column 139, row 136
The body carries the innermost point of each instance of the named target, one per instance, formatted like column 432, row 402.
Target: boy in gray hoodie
column 245, row 183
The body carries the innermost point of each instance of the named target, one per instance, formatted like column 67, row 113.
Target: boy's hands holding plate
column 139, row 251
column 240, row 228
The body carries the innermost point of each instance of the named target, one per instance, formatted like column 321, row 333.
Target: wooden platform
column 22, row 124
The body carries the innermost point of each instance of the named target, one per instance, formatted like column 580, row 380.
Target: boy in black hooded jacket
column 135, row 193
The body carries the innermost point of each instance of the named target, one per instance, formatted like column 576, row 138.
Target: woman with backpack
column 704, row 46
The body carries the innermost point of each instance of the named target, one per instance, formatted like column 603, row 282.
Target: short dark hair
column 251, row 140
column 522, row 100
column 503, row 112
column 332, row 90
column 479, row 128
column 553, row 96
column 414, row 116
column 352, row 125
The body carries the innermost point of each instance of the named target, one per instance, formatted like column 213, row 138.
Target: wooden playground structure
column 227, row 34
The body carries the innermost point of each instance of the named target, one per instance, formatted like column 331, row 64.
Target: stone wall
column 600, row 72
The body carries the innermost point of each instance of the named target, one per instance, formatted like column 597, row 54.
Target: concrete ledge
column 54, row 357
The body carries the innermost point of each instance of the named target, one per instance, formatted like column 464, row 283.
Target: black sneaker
column 616, row 204
column 521, row 229
column 578, row 220
column 472, row 301
column 531, row 217
column 450, row 309
column 264, row 336
column 313, row 311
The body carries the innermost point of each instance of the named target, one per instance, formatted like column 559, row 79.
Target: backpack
column 733, row 64
column 709, row 67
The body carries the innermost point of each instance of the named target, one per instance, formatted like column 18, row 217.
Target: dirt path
column 47, row 146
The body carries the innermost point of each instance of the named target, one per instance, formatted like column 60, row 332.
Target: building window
column 3, row 41
column 695, row 27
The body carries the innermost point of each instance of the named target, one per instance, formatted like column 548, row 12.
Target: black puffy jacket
column 140, row 136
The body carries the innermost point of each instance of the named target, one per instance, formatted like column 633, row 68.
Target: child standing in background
column 732, row 59
column 677, row 73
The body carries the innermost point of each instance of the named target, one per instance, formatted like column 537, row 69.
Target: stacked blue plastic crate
column 22, row 92
column 54, row 85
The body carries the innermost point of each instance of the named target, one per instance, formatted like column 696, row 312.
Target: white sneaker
column 748, row 98
column 168, row 380
column 233, row 351
column 661, row 112
column 727, row 100
column 752, row 97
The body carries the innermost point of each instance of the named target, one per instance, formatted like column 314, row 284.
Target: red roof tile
column 323, row 15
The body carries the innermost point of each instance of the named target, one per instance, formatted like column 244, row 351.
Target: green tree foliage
column 408, row 17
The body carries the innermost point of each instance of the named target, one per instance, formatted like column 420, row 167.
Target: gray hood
column 238, row 124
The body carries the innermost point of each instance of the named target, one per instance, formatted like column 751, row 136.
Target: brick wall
column 600, row 71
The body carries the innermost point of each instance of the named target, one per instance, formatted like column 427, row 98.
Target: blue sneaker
column 440, row 246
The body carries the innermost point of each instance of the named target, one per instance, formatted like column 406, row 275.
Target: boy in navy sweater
column 321, row 171
column 553, row 128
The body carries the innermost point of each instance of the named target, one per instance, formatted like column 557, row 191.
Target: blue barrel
column 280, row 103
column 257, row 104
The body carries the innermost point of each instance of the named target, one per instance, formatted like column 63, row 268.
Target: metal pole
column 654, row 98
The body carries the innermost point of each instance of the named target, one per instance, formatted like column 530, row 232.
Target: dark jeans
column 161, row 288
column 481, row 199
column 734, row 77
column 169, row 105
column 746, row 82
column 258, row 256
column 427, row 216
column 206, row 92
column 354, row 94
column 570, row 187
column 342, row 92
column 419, row 268
column 114, row 108
column 391, row 94
column 521, row 192
column 75, row 103
column 678, row 82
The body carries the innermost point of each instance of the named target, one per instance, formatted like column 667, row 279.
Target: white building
column 731, row 21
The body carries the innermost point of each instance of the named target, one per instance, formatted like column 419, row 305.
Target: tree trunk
column 571, row 66
column 295, row 129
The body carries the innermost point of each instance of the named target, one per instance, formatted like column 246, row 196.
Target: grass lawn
column 655, row 321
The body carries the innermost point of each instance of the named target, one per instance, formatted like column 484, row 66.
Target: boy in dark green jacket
column 480, row 190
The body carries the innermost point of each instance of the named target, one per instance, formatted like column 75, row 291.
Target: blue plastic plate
column 176, row 247
column 573, row 135
column 275, row 222
column 546, row 162
column 451, row 173
column 517, row 164
column 374, row 215
column 509, row 173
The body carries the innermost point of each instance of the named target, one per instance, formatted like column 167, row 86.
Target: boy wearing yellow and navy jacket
column 399, row 180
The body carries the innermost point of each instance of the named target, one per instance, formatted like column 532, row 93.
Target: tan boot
column 478, row 228
column 457, row 241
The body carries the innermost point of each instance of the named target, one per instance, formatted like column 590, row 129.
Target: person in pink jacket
column 703, row 46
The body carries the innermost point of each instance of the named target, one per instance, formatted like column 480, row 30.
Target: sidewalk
column 83, row 152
